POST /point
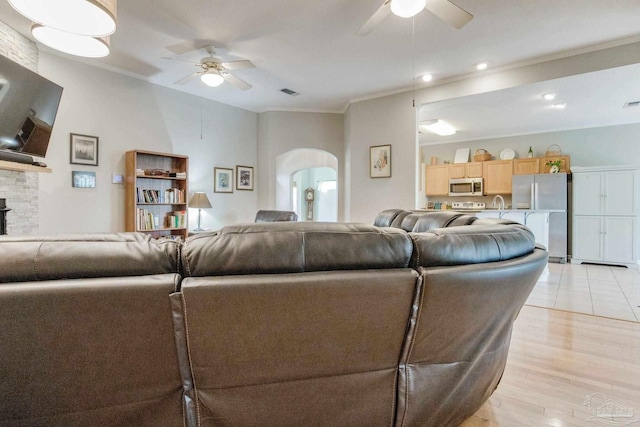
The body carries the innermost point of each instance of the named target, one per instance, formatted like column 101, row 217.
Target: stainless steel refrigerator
column 547, row 191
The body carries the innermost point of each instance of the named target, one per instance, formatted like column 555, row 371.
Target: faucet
column 493, row 203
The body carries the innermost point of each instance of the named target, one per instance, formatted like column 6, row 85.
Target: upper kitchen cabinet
column 497, row 176
column 465, row 170
column 526, row 166
column 436, row 180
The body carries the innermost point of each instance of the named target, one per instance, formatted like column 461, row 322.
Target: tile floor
column 598, row 290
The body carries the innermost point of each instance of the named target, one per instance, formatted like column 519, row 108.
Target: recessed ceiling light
column 548, row 96
column 561, row 106
column 427, row 78
column 439, row 127
column 481, row 66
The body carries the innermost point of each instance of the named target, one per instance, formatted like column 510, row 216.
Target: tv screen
column 28, row 108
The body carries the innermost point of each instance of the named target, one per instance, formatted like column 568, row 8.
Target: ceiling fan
column 214, row 72
column 443, row 9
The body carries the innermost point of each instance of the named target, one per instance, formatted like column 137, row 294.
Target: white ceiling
column 311, row 46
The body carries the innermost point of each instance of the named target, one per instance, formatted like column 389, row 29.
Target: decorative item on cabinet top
column 482, row 155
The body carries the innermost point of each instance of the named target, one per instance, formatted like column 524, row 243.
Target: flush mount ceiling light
column 561, row 106
column 549, row 96
column 427, row 78
column 96, row 18
column 73, row 44
column 439, row 127
column 481, row 66
column 407, row 8
column 212, row 78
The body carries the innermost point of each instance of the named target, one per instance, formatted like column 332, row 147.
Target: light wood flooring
column 564, row 369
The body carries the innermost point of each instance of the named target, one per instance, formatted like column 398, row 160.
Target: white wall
column 280, row 132
column 388, row 120
column 127, row 113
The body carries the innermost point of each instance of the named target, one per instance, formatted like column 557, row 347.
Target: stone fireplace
column 20, row 189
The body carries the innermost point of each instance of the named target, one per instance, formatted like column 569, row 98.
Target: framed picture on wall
column 83, row 179
column 380, row 161
column 223, row 180
column 84, row 150
column 244, row 177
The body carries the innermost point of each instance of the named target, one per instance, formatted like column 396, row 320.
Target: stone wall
column 19, row 188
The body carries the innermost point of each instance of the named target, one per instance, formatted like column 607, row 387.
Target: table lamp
column 199, row 201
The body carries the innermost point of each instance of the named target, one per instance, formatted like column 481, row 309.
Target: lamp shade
column 407, row 8
column 199, row 201
column 95, row 18
column 73, row 44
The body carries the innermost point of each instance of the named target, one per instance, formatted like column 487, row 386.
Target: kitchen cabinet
column 465, row 170
column 497, row 176
column 605, row 215
column 436, row 180
column 526, row 166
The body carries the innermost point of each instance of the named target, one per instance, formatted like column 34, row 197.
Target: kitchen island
column 537, row 220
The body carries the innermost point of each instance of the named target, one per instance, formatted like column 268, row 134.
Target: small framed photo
column 380, row 161
column 84, row 150
column 83, row 179
column 222, row 180
column 244, row 177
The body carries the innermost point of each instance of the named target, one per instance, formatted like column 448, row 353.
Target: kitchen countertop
column 497, row 210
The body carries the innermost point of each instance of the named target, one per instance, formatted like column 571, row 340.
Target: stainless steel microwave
column 466, row 187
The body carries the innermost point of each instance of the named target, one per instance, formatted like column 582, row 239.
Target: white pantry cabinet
column 605, row 215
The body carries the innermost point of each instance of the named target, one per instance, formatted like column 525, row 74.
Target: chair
column 275, row 216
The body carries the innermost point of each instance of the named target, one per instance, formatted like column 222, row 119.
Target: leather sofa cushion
column 33, row 258
column 294, row 247
column 471, row 244
column 89, row 352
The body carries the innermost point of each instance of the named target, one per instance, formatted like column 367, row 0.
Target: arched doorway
column 303, row 168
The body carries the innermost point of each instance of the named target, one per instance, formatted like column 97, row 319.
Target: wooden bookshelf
column 156, row 200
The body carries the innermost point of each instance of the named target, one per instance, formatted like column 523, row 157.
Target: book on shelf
column 145, row 220
column 168, row 196
column 176, row 219
column 181, row 175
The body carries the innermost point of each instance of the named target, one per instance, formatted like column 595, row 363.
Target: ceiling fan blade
column 449, row 12
column 187, row 79
column 236, row 81
column 236, row 65
column 181, row 60
column 382, row 12
column 190, row 45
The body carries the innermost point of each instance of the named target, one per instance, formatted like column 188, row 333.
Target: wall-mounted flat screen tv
column 28, row 107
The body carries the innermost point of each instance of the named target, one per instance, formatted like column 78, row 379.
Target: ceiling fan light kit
column 76, row 27
column 212, row 78
column 73, row 44
column 407, row 8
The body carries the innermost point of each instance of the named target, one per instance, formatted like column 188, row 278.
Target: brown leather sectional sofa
column 271, row 324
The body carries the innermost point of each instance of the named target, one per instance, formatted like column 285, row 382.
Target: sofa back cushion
column 300, row 349
column 295, row 247
column 471, row 244
column 89, row 352
column 459, row 341
column 34, row 258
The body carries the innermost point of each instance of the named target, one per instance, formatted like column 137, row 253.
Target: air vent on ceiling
column 289, row 92
column 632, row 104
